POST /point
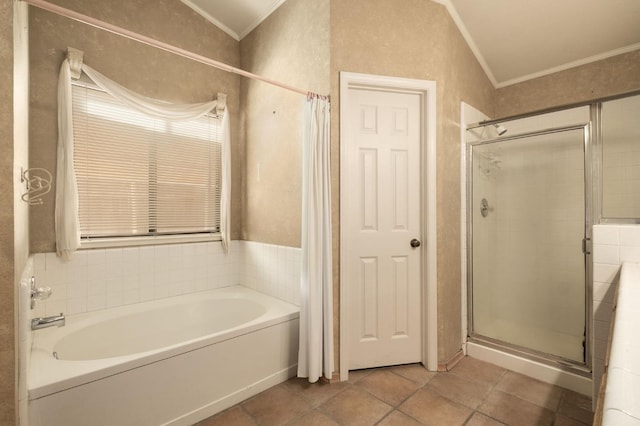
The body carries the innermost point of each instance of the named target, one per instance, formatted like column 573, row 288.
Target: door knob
column 415, row 243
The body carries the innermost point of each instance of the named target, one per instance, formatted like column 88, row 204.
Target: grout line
column 492, row 387
column 241, row 406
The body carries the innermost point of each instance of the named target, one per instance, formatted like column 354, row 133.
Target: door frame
column 427, row 91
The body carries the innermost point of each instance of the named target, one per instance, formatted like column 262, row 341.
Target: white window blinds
column 139, row 175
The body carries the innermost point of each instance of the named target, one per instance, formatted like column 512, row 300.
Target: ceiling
column 514, row 40
column 235, row 17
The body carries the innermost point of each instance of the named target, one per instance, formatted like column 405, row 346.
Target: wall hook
column 38, row 184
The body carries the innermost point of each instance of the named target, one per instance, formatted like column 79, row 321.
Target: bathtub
column 622, row 378
column 173, row 361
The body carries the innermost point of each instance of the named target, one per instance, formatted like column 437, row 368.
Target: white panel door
column 383, row 202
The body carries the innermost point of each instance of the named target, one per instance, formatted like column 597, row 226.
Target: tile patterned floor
column 474, row 393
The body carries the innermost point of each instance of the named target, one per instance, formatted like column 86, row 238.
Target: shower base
column 559, row 344
column 537, row 370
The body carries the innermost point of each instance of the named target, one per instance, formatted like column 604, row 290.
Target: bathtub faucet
column 44, row 322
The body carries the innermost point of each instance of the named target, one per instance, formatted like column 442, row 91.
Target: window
column 143, row 176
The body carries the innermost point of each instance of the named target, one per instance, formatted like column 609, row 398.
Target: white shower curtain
column 225, row 193
column 67, row 222
column 315, row 356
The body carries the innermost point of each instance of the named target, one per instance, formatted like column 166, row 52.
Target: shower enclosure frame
column 591, row 159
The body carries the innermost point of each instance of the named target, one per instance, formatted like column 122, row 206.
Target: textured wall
column 144, row 69
column 291, row 46
column 415, row 39
column 611, row 76
column 7, row 274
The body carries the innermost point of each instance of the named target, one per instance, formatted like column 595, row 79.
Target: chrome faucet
column 44, row 322
column 39, row 293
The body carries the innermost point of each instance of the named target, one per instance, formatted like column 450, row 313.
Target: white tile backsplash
column 105, row 278
column 272, row 269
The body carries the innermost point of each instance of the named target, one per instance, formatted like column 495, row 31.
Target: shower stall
column 527, row 237
column 535, row 186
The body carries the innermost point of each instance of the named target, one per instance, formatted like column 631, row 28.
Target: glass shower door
column 527, row 213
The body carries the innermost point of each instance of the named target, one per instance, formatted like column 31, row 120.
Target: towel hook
column 38, row 184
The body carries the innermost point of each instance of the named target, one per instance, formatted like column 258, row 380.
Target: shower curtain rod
column 162, row 45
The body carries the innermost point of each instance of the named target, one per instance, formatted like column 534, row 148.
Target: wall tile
column 606, row 235
column 104, row 278
column 600, row 351
column 79, row 260
column 96, row 303
column 605, row 273
column 96, row 257
column 130, row 297
column 630, row 253
column 56, row 271
column 630, row 236
column 114, row 298
column 608, row 254
column 74, row 306
column 601, row 331
column 602, row 311
column 50, row 308
column 113, row 256
column 274, row 270
column 603, row 292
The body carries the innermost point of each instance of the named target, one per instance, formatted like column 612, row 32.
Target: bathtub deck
column 473, row 393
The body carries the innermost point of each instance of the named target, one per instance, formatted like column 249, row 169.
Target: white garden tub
column 622, row 391
column 171, row 361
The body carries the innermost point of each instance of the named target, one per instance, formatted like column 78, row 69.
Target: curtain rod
column 161, row 45
column 552, row 109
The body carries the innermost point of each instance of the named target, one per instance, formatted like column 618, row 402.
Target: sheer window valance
column 67, row 221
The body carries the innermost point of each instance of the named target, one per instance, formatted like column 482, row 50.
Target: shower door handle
column 415, row 243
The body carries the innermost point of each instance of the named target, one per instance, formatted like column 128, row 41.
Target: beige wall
column 7, row 272
column 144, row 69
column 291, row 46
column 304, row 43
column 611, row 76
column 415, row 39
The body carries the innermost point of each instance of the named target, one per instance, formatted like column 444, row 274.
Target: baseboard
column 335, row 378
column 452, row 362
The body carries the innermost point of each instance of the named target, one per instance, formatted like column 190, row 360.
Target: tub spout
column 44, row 322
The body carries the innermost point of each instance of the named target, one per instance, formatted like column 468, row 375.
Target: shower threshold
column 560, row 372
column 542, row 341
column 558, row 362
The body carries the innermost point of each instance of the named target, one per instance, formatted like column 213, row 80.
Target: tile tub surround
column 25, row 338
column 612, row 245
column 271, row 269
column 621, row 402
column 104, row 278
column 473, row 393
